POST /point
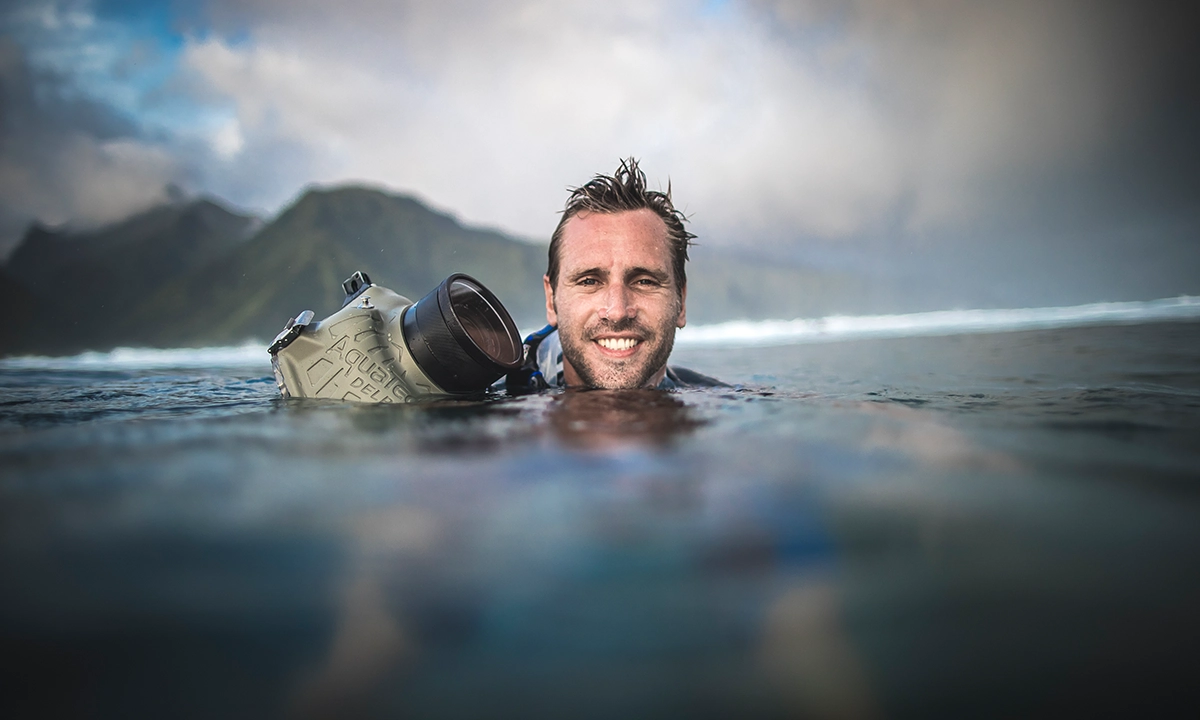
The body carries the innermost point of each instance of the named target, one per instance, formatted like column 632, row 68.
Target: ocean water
column 929, row 517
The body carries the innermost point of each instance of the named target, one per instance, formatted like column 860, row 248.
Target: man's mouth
column 617, row 344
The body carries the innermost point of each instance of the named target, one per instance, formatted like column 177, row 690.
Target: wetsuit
column 543, row 368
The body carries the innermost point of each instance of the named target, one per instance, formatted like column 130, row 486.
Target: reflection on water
column 885, row 529
column 606, row 419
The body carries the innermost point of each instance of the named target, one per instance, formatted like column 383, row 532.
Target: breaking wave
column 743, row 333
column 248, row 355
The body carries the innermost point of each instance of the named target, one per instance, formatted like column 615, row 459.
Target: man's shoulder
column 682, row 377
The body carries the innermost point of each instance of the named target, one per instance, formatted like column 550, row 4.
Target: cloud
column 68, row 158
column 874, row 126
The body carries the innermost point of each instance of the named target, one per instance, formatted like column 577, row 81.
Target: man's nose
column 617, row 303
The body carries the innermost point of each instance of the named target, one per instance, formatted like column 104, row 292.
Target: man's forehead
column 641, row 217
column 631, row 233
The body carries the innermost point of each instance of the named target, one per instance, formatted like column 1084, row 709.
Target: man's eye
column 589, row 281
column 647, row 282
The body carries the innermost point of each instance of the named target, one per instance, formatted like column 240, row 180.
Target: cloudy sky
column 1010, row 146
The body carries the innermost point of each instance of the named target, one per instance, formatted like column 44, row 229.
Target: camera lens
column 461, row 336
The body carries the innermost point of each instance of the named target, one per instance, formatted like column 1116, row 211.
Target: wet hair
column 625, row 190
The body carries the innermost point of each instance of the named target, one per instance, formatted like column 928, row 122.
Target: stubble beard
column 618, row 374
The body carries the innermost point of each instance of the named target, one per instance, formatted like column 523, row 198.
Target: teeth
column 617, row 343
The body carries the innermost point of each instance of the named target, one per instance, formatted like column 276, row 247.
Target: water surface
column 977, row 524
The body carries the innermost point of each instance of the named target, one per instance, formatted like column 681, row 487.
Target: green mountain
column 142, row 251
column 68, row 286
column 188, row 275
column 23, row 328
column 298, row 262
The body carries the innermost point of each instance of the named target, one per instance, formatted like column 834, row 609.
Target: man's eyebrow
column 658, row 275
column 599, row 272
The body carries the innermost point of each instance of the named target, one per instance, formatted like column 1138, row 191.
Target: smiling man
column 616, row 290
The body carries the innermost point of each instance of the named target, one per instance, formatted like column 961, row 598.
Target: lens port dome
column 461, row 336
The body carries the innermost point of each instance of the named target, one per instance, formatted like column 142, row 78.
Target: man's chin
column 622, row 384
column 616, row 378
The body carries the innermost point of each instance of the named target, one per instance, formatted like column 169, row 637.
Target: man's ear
column 682, row 308
column 551, row 315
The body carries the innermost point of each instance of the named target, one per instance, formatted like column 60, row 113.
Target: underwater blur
column 992, row 524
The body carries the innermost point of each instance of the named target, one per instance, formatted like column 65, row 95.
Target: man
column 616, row 290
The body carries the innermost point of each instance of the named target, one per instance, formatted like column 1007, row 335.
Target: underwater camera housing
column 383, row 348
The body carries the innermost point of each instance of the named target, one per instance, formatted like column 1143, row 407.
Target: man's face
column 617, row 303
